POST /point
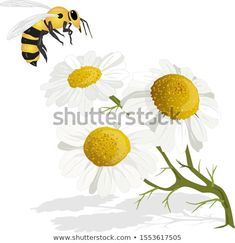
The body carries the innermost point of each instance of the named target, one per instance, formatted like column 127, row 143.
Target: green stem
column 208, row 187
column 115, row 100
column 226, row 205
column 174, row 170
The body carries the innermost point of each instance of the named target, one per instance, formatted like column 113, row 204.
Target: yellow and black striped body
column 59, row 18
column 30, row 42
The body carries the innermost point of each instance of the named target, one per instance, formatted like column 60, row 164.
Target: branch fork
column 180, row 182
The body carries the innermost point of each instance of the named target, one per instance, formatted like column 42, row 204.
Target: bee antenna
column 84, row 21
column 84, row 27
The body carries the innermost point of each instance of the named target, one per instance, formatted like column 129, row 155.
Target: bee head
column 74, row 18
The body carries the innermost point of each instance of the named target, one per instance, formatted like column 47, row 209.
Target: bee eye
column 60, row 15
column 74, row 14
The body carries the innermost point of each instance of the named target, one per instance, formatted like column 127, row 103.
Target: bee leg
column 52, row 32
column 57, row 31
column 41, row 40
column 43, row 52
column 42, row 47
column 66, row 28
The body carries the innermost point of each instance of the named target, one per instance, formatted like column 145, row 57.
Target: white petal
column 64, row 99
column 56, row 90
column 140, row 82
column 67, row 147
column 142, row 78
column 187, row 73
column 91, row 92
column 54, row 85
column 209, row 102
column 113, row 84
column 115, row 74
column 89, row 58
column 70, row 156
column 72, row 62
column 97, row 62
column 111, row 60
column 59, row 76
column 73, row 98
column 144, row 104
column 157, row 72
column 209, row 121
column 138, row 164
column 55, row 76
column 181, row 135
column 85, row 104
column 52, row 99
column 165, row 135
column 152, row 124
column 132, row 105
column 202, row 86
column 106, row 90
column 131, row 173
column 120, row 180
column 144, row 158
column 72, row 164
column 142, row 137
column 61, row 69
column 167, row 67
column 197, row 145
column 87, row 176
column 101, row 96
column 198, row 128
column 74, row 136
column 136, row 95
column 104, row 183
column 94, row 184
column 81, row 60
column 61, row 79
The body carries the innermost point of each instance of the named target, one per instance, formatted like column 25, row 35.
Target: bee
column 34, row 28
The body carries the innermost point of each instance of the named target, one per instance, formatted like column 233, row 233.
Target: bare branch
column 200, row 204
column 163, row 170
column 166, row 200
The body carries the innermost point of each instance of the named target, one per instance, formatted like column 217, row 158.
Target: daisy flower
column 105, row 158
column 79, row 81
column 182, row 105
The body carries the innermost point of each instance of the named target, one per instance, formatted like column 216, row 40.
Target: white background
column 198, row 34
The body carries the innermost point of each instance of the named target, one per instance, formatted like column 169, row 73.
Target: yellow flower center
column 84, row 77
column 175, row 96
column 106, row 146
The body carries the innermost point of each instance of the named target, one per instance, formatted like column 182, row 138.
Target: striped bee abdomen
column 29, row 47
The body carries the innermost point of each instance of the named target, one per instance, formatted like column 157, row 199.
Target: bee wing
column 23, row 3
column 26, row 24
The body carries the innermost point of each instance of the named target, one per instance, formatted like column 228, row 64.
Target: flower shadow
column 150, row 212
column 74, row 204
